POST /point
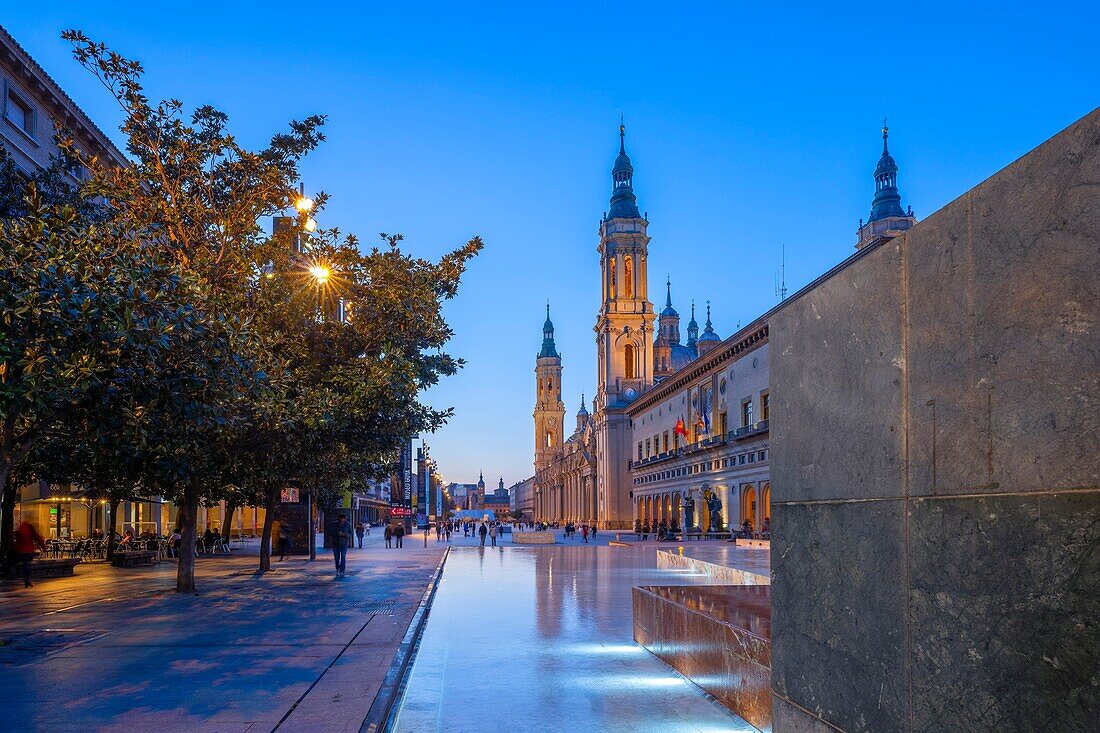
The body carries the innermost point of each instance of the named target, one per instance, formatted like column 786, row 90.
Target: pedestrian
column 389, row 535
column 593, row 530
column 359, row 530
column 493, row 535
column 483, row 530
column 24, row 542
column 399, row 533
column 448, row 531
column 284, row 540
column 341, row 540
column 584, row 533
column 438, row 531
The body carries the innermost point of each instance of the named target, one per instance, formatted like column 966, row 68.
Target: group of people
column 747, row 532
column 586, row 529
column 664, row 530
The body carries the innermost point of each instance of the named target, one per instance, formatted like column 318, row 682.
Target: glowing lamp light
column 304, row 204
column 310, row 225
column 320, row 273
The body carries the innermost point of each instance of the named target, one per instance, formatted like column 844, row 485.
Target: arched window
column 628, row 277
column 549, row 440
column 611, row 278
column 628, row 359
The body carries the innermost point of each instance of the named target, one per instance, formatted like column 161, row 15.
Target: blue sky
column 751, row 126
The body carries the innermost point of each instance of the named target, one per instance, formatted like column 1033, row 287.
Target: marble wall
column 716, row 636
column 936, row 467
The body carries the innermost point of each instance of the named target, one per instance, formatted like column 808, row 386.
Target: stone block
column 786, row 718
column 1006, row 612
column 836, row 428
column 839, row 610
column 716, row 636
column 533, row 538
column 1004, row 327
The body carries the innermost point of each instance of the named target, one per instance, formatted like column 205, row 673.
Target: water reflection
column 548, row 633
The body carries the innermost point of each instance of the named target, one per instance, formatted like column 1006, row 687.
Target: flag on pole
column 681, row 429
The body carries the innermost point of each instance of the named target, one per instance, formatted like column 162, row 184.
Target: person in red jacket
column 24, row 543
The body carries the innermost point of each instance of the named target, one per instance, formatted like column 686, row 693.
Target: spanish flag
column 681, row 429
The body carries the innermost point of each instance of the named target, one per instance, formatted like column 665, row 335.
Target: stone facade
column 936, row 436
column 722, row 401
column 32, row 104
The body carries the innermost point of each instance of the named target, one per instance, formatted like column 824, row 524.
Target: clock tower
column 624, row 337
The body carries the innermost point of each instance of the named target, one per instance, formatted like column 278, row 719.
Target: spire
column 481, row 479
column 887, row 200
column 669, row 311
column 583, row 410
column 624, row 205
column 548, row 348
column 693, row 328
column 709, row 336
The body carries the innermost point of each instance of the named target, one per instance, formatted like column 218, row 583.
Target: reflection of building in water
column 676, row 429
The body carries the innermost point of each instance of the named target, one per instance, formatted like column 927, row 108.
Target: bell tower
column 624, row 339
column 549, row 409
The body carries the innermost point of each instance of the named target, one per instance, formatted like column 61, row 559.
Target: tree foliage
column 157, row 338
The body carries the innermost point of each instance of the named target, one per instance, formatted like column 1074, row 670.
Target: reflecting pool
column 522, row 637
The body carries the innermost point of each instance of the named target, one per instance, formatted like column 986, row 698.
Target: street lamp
column 320, row 273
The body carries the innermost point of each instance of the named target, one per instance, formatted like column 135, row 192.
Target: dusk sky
column 750, row 127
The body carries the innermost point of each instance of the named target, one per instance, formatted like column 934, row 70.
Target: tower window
column 611, row 278
column 628, row 277
column 549, row 440
column 628, row 358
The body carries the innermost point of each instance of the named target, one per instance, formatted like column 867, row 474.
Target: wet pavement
column 117, row 649
column 543, row 638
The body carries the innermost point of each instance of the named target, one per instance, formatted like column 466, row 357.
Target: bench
column 134, row 558
column 46, row 568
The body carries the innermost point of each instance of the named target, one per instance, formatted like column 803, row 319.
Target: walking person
column 388, row 534
column 359, row 530
column 341, row 540
column 493, row 535
column 483, row 530
column 284, row 540
column 399, row 533
column 24, row 543
column 584, row 533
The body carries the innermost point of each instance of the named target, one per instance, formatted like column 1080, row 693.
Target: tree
column 87, row 311
column 200, row 196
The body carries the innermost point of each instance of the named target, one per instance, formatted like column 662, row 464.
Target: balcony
column 748, row 431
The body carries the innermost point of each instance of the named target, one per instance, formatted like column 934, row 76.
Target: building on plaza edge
column 678, row 431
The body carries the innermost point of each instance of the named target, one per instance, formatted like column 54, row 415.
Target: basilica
column 678, row 432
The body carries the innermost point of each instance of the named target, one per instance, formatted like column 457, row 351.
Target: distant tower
column 624, row 338
column 669, row 355
column 480, row 490
column 888, row 219
column 549, row 409
column 582, row 415
column 693, row 331
column 709, row 339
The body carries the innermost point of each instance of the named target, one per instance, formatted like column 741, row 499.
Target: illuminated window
column 611, row 277
column 628, row 277
column 628, row 358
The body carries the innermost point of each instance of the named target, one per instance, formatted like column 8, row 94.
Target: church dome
column 680, row 356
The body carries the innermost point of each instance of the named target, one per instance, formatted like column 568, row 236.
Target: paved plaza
column 298, row 650
column 294, row 649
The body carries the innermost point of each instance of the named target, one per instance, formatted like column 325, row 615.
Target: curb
column 380, row 716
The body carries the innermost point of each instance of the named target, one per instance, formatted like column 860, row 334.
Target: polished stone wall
column 721, row 569
column 716, row 636
column 936, row 467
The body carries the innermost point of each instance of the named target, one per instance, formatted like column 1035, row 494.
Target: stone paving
column 295, row 649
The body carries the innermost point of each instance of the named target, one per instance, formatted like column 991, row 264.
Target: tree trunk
column 7, row 508
column 270, row 502
column 188, row 521
column 227, row 521
column 112, row 527
column 312, row 530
